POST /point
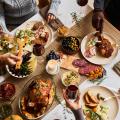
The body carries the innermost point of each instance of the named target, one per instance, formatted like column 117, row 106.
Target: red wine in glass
column 38, row 49
column 82, row 2
column 72, row 92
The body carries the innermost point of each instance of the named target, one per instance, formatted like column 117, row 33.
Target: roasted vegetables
column 91, row 101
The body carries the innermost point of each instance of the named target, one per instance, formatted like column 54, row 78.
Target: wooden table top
column 80, row 30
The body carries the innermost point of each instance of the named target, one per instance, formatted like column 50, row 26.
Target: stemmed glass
column 83, row 4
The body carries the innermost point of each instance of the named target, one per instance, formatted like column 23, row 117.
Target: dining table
column 81, row 29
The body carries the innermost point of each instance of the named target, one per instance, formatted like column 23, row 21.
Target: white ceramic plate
column 7, row 67
column 97, row 59
column 29, row 25
column 104, row 92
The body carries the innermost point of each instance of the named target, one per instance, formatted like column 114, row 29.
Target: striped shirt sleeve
column 2, row 19
column 54, row 6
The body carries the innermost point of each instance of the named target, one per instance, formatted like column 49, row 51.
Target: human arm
column 99, row 5
column 74, row 106
column 98, row 15
column 2, row 19
column 8, row 59
column 52, row 12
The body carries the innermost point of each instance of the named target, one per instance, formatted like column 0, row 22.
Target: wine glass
column 72, row 91
column 83, row 4
column 43, row 3
column 38, row 51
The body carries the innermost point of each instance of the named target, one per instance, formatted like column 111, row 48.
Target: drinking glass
column 72, row 91
column 83, row 4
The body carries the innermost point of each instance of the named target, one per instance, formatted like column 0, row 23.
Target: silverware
column 117, row 91
column 109, row 98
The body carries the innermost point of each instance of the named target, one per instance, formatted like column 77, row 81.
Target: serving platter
column 97, row 59
column 25, row 92
column 29, row 25
column 106, row 93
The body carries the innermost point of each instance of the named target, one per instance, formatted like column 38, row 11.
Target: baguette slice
column 92, row 97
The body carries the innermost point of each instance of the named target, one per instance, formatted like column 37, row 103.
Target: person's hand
column 1, row 30
column 72, row 105
column 9, row 59
column 50, row 17
column 97, row 20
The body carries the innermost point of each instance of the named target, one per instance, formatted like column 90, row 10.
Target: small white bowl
column 64, row 76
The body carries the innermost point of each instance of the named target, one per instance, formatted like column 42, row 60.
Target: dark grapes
column 52, row 55
column 26, row 57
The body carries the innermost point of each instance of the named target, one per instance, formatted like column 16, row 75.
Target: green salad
column 21, row 34
column 100, row 114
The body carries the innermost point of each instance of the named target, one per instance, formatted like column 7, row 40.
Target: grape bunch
column 26, row 57
column 52, row 55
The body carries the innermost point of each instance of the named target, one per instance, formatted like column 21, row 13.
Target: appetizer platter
column 21, row 46
column 36, row 97
column 92, row 71
column 99, row 48
column 24, row 67
column 97, row 106
column 37, row 31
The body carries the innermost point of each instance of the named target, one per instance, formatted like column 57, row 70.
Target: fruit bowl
column 70, row 45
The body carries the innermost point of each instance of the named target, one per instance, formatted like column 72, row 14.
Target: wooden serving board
column 67, row 62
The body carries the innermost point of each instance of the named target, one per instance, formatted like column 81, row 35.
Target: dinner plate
column 97, row 59
column 104, row 92
column 29, row 25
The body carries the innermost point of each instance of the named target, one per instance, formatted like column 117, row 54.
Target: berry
column 52, row 55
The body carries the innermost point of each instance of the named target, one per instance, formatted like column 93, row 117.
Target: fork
column 109, row 98
column 117, row 91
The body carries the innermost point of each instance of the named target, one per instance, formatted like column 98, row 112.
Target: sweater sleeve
column 54, row 6
column 99, row 4
column 2, row 19
column 78, row 114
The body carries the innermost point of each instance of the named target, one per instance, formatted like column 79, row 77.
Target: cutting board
column 66, row 62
